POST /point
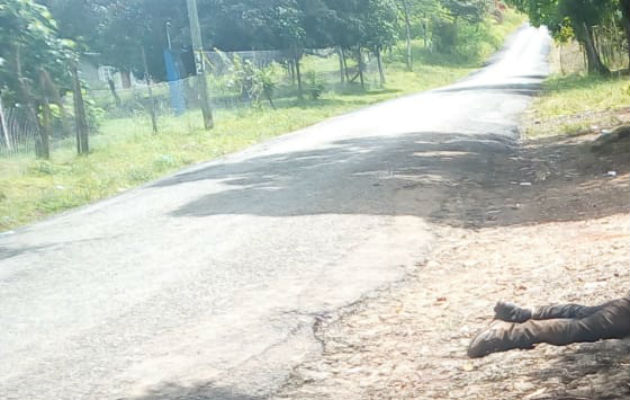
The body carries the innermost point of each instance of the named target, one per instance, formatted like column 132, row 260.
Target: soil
column 548, row 223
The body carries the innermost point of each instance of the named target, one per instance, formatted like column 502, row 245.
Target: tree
column 580, row 15
column 405, row 10
column 113, row 31
column 472, row 11
column 33, row 65
column 256, row 25
column 379, row 29
column 624, row 6
column 344, row 26
column 284, row 19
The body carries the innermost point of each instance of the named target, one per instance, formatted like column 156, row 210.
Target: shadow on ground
column 522, row 89
column 6, row 252
column 591, row 371
column 455, row 179
column 169, row 391
column 451, row 179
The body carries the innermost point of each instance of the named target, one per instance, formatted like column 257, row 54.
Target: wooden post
column 147, row 79
column 360, row 59
column 3, row 125
column 202, row 85
column 45, row 131
column 31, row 106
column 342, row 72
column 79, row 113
column 345, row 64
column 112, row 89
column 379, row 61
column 298, row 74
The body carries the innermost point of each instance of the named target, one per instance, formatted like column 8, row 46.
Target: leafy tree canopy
column 30, row 47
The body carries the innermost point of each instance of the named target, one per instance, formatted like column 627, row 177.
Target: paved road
column 207, row 284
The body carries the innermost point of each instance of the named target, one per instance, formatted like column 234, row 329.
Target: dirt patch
column 546, row 223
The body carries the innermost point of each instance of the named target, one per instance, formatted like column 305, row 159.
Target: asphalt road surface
column 207, row 284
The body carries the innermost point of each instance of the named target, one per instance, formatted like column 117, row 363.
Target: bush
column 476, row 42
column 314, row 85
column 445, row 35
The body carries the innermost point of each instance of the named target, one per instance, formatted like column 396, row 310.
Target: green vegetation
column 578, row 19
column 574, row 103
column 126, row 153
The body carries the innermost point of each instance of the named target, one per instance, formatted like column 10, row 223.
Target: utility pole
column 202, row 85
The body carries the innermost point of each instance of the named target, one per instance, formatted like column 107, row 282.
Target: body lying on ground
column 522, row 328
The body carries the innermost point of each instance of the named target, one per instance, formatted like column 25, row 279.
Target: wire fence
column 570, row 57
column 18, row 132
column 235, row 80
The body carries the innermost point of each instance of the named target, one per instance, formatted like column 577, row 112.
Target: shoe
column 510, row 312
column 494, row 339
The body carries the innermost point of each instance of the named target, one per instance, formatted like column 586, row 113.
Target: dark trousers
column 569, row 323
column 556, row 324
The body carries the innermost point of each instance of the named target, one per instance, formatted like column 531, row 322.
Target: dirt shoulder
column 546, row 223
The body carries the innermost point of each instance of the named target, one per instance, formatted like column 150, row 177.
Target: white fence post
column 3, row 124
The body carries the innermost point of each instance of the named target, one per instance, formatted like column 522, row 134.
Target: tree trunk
column 291, row 64
column 599, row 47
column 408, row 32
column 360, row 60
column 125, row 77
column 298, row 75
column 112, row 88
column 625, row 13
column 150, row 91
column 3, row 126
column 424, row 32
column 31, row 106
column 342, row 72
column 45, row 131
column 595, row 64
column 51, row 90
column 379, row 61
column 79, row 113
column 269, row 99
column 345, row 64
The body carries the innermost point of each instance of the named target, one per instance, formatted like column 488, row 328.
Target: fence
column 18, row 132
column 567, row 58
column 236, row 81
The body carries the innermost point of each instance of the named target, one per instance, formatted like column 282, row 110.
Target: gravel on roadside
column 550, row 225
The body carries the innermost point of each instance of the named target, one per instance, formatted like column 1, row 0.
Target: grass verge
column 577, row 103
column 126, row 154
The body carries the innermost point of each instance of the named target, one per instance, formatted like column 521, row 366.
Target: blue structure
column 178, row 101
